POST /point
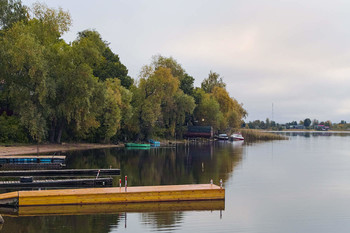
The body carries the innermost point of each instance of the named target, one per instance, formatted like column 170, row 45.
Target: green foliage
column 81, row 90
column 160, row 106
column 208, row 112
column 25, row 76
column 155, row 99
column 186, row 81
column 111, row 67
column 11, row 11
column 108, row 64
column 213, row 80
column 116, row 108
column 11, row 130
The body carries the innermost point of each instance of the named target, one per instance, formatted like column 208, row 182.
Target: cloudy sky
column 292, row 54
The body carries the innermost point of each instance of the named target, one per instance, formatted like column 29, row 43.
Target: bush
column 11, row 130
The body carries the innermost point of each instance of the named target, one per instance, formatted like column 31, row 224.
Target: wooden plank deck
column 119, row 195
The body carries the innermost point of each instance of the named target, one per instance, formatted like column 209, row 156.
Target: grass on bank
column 251, row 135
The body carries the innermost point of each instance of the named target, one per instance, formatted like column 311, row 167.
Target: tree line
column 51, row 90
column 307, row 123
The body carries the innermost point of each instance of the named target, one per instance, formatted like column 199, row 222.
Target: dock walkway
column 139, row 194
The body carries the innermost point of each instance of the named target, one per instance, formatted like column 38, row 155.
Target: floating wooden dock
column 62, row 172
column 32, row 159
column 112, row 208
column 31, row 166
column 139, row 194
column 100, row 182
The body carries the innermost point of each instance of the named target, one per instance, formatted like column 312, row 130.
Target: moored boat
column 223, row 136
column 154, row 143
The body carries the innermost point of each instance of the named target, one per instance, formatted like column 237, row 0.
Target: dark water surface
column 299, row 185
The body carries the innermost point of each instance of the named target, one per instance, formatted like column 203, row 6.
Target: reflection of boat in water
column 138, row 145
column 236, row 137
column 237, row 143
column 113, row 208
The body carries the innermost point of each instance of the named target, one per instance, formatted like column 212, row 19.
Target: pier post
column 126, row 182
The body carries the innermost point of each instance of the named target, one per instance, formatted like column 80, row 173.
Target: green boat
column 139, row 145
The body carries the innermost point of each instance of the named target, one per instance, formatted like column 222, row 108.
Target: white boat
column 223, row 136
column 236, row 137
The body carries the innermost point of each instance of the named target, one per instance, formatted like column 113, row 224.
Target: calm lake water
column 299, row 185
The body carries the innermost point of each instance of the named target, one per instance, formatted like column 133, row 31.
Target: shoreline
column 46, row 148
column 307, row 131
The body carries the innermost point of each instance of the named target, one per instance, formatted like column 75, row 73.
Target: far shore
column 306, row 131
column 46, row 148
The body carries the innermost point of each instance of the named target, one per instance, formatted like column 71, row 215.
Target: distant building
column 321, row 127
column 296, row 127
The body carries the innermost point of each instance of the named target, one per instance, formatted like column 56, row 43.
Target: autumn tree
column 213, row 80
column 186, row 81
column 208, row 112
column 160, row 106
column 230, row 111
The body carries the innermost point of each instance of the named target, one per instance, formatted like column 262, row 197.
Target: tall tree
column 109, row 66
column 213, row 80
column 11, row 11
column 160, row 107
column 24, row 53
column 208, row 112
column 307, row 122
column 186, row 81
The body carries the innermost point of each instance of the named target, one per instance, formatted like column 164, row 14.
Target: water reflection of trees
column 162, row 220
column 193, row 164
column 61, row 224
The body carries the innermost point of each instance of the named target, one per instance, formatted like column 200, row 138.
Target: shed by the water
column 199, row 132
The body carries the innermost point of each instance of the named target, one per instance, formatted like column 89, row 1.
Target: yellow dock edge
column 166, row 193
column 9, row 199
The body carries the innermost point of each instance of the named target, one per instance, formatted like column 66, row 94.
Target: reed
column 251, row 135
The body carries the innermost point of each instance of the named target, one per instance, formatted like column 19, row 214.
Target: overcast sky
column 292, row 54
